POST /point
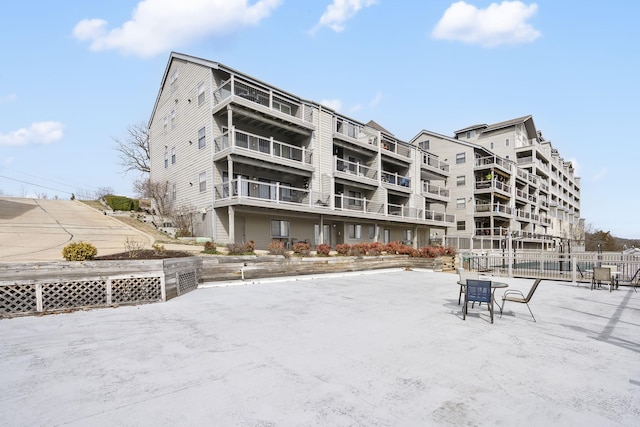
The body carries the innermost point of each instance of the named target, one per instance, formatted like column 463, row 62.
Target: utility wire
column 35, row 185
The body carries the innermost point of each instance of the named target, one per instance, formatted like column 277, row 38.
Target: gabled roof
column 376, row 126
column 473, row 127
column 508, row 123
column 450, row 139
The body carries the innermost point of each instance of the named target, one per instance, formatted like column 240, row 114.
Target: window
column 166, row 159
column 461, row 203
column 202, row 141
column 279, row 228
column 355, row 231
column 506, row 142
column 200, row 94
column 173, row 155
column 165, row 124
column 202, row 180
column 407, row 235
column 491, row 145
column 461, row 180
column 461, row 226
column 173, row 118
column 471, row 133
column 372, row 232
column 461, row 158
column 386, row 233
column 174, row 80
column 424, row 145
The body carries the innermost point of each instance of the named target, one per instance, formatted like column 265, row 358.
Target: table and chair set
column 481, row 289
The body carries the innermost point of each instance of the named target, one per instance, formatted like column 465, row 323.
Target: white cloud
column 37, row 133
column 503, row 23
column 601, row 175
column 5, row 99
column 334, row 104
column 355, row 108
column 157, row 26
column 340, row 11
column 376, row 100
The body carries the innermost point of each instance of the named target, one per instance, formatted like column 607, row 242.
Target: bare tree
column 182, row 219
column 158, row 192
column 134, row 148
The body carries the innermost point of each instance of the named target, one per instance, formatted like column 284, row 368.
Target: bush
column 343, row 249
column 79, row 251
column 375, row 248
column 359, row 249
column 302, row 248
column 323, row 249
column 235, row 249
column 122, row 203
column 276, row 247
column 250, row 246
column 210, row 248
column 159, row 249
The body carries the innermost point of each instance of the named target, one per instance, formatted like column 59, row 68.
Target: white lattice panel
column 76, row 294
column 187, row 282
column 17, row 299
column 135, row 289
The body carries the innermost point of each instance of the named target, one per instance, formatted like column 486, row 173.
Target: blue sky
column 77, row 74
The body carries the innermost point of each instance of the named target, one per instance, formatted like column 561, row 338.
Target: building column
column 232, row 224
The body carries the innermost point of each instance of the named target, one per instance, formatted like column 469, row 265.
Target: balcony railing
column 488, row 161
column 355, row 168
column 257, row 190
column 435, row 190
column 260, row 144
column 396, row 179
column 495, row 208
column 360, row 204
column 267, row 98
column 396, row 147
column 527, row 176
column 354, row 131
column 432, row 161
column 488, row 184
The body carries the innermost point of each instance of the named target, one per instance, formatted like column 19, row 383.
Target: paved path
column 37, row 229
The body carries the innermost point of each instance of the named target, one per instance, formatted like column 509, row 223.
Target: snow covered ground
column 383, row 349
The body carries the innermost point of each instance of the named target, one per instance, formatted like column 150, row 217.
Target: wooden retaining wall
column 224, row 268
column 42, row 287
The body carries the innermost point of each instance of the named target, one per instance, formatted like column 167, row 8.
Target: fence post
column 39, row 304
column 574, row 270
column 108, row 290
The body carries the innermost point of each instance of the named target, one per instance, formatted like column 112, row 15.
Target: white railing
column 257, row 190
column 428, row 189
column 495, row 208
column 492, row 184
column 492, row 160
column 355, row 168
column 265, row 97
column 260, row 144
column 429, row 159
column 396, row 179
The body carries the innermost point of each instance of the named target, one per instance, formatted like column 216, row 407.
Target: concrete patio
column 375, row 349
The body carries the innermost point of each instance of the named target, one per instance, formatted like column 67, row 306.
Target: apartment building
column 248, row 161
column 507, row 180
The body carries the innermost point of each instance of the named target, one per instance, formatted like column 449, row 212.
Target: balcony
column 398, row 150
column 432, row 163
column 393, row 179
column 355, row 171
column 492, row 162
column 526, row 176
column 359, row 204
column 487, row 185
column 413, row 213
column 354, row 134
column 435, row 192
column 266, row 98
column 243, row 188
column 267, row 148
column 496, row 208
column 525, row 196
